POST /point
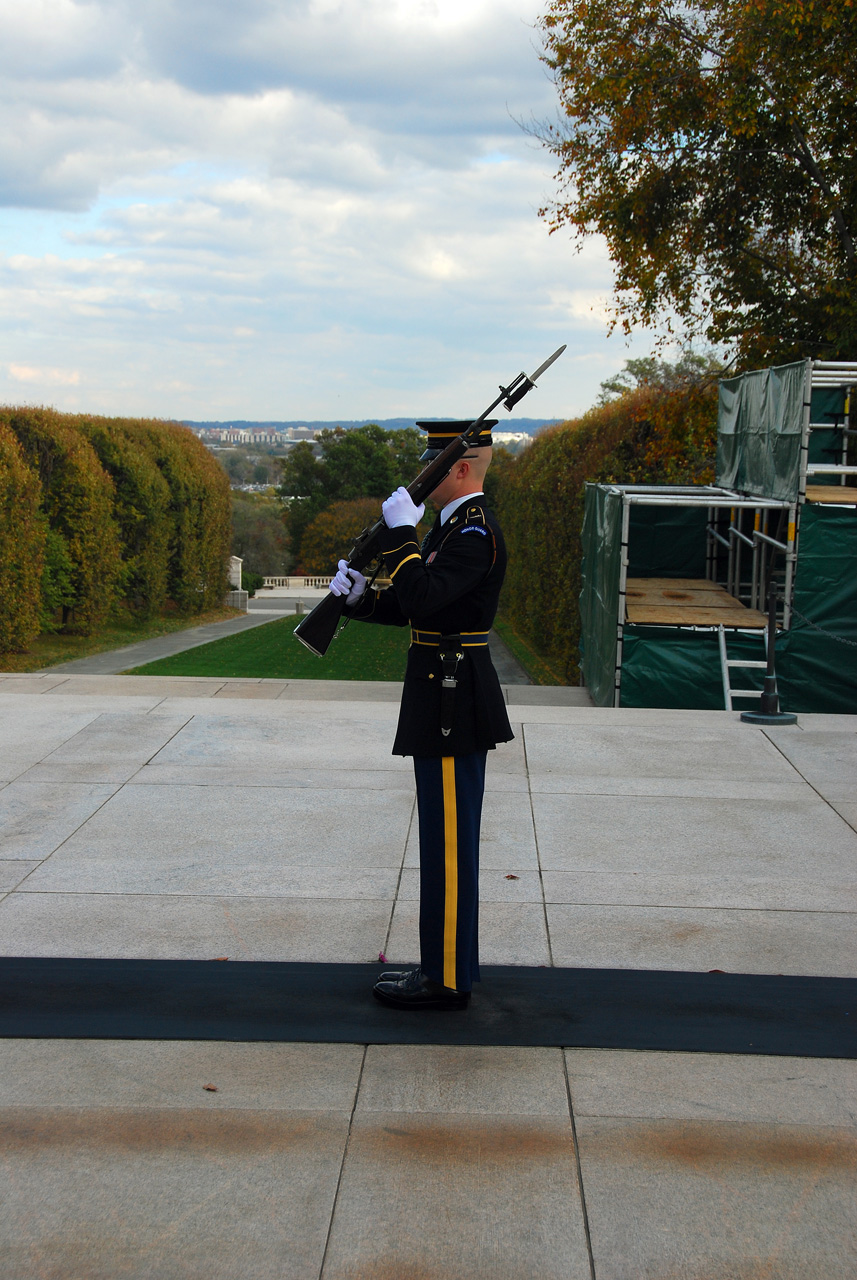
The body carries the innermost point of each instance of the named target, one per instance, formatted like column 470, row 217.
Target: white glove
column 350, row 583
column 399, row 510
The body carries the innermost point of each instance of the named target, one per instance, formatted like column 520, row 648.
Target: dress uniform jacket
column 449, row 586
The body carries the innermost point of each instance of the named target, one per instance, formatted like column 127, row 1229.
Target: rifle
column 318, row 628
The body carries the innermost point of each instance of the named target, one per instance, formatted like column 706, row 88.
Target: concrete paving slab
column 152, row 1195
column 693, row 1200
column 481, row 1197
column 165, row 1074
column 828, row 761
column 143, row 686
column 509, row 933
column 652, row 889
column 284, row 711
column 451, row 1079
column 301, row 743
column 507, row 841
column 494, row 886
column 36, row 817
column 184, row 928
column 654, row 750
column 796, row 942
column 548, row 695
column 29, row 730
column 342, row 691
column 37, row 682
column 250, row 776
column 589, row 784
column 819, row 723
column 757, row 838
column 248, row 689
column 189, row 877
column 731, row 1087
column 846, row 811
column 111, row 748
column 207, row 831
column 13, row 871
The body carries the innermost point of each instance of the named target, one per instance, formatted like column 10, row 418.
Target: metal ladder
column 726, row 662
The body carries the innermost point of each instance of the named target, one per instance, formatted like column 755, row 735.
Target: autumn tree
column 363, row 462
column 258, row 534
column 712, row 143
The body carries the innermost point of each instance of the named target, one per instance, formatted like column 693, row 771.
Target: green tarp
column 759, row 425
column 759, row 429
column 816, row 670
column 676, row 667
column 599, row 598
column 667, row 542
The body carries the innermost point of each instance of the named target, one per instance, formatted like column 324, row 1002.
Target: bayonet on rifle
column 318, row 628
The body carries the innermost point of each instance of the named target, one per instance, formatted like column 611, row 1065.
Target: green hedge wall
column 647, row 436
column 96, row 510
column 23, row 532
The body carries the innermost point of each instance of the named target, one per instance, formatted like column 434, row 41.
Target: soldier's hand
column 350, row 583
column 399, row 510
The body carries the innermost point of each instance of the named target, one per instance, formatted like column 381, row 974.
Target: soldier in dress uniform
column 453, row 712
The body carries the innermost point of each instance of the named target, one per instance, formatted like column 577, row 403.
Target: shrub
column 141, row 507
column 198, row 513
column 252, row 582
column 77, row 499
column 648, row 436
column 22, row 546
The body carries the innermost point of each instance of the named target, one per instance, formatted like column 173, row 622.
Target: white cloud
column 45, row 377
column 290, row 208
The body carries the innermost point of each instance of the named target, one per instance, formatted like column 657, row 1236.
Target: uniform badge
column 431, row 557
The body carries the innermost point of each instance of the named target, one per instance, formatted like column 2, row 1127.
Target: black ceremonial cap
column 440, row 434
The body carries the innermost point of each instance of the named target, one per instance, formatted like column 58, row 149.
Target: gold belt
column 469, row 639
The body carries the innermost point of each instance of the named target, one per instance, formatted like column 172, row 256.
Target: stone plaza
column 180, row 819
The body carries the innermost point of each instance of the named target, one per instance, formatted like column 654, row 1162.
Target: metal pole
column 769, row 711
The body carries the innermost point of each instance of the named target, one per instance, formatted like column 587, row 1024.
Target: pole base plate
column 762, row 717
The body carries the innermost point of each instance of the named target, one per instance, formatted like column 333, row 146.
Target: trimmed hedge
column 647, row 436
column 94, row 510
column 23, row 531
column 77, row 498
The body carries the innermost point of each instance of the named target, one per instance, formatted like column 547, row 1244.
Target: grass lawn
column 47, row 650
column 360, row 652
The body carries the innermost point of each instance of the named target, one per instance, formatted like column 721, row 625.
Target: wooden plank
column 696, row 616
column 675, row 599
column 674, row 584
column 835, row 493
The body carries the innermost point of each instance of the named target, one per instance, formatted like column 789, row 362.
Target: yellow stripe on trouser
column 450, row 839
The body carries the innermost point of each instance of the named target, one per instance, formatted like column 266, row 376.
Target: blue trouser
column 449, row 800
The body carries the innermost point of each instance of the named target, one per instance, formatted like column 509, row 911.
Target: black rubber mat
column 593, row 1008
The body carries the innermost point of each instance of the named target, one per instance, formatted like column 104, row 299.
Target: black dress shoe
column 396, row 975
column 417, row 991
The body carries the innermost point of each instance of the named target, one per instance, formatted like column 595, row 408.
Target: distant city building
column 510, row 438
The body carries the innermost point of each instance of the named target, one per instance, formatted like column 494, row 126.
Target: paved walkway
column 274, row 604
column 266, row 820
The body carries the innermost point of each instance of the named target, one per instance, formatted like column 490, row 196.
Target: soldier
column 452, row 710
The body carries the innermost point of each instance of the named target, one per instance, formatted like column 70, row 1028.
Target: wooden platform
column 686, row 602
column 837, row 493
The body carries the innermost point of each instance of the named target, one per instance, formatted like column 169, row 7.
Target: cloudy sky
column 285, row 209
